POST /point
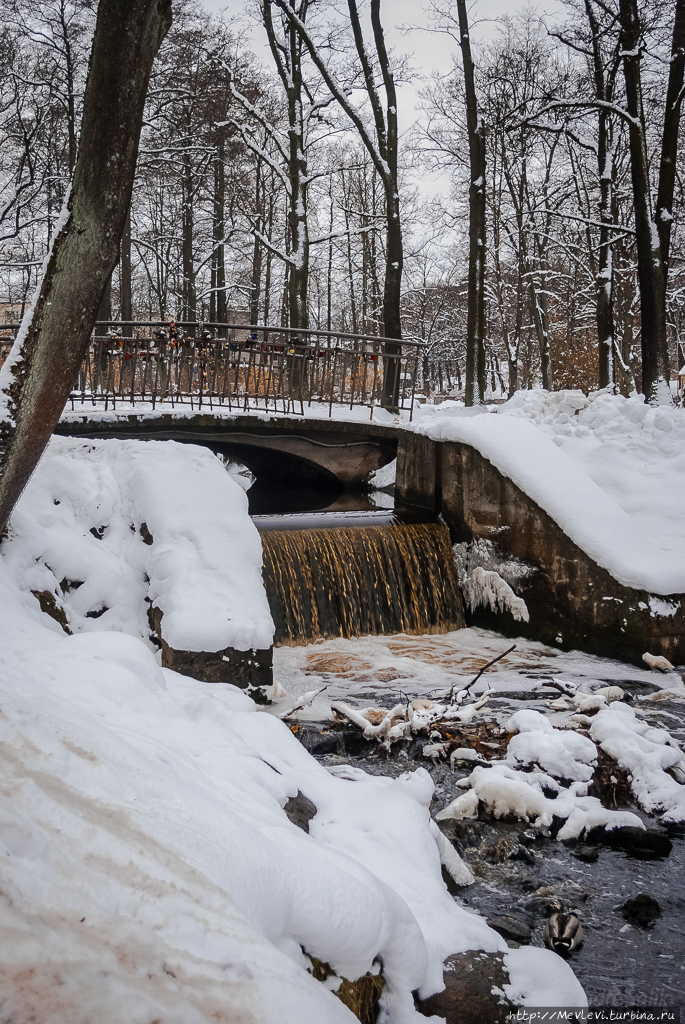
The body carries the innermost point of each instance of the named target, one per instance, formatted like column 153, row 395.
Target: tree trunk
column 605, row 168
column 125, row 289
column 256, row 282
column 669, row 144
column 651, row 259
column 189, row 295
column 475, row 317
column 104, row 312
column 44, row 362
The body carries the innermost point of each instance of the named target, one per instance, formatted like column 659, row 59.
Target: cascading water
column 397, row 578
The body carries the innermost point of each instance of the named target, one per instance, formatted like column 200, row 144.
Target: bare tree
column 475, row 317
column 382, row 147
column 652, row 220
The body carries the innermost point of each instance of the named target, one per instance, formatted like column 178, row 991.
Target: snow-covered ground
column 106, row 526
column 609, row 470
column 148, row 869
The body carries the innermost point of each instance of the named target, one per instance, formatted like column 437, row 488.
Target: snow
column 149, row 869
column 609, row 470
column 383, row 477
column 202, row 567
column 506, row 792
column 554, row 987
column 646, row 753
column 564, row 754
column 149, row 866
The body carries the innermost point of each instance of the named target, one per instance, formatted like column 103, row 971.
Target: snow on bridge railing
column 244, row 367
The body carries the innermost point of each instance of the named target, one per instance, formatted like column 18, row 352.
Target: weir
column 352, row 581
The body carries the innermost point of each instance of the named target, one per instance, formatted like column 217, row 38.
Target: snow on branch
column 337, row 90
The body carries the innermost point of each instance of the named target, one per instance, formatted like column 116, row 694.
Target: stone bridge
column 327, row 454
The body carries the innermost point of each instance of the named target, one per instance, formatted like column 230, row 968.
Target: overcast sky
column 430, row 51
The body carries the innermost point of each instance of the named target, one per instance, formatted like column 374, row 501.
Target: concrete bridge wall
column 572, row 601
column 277, row 448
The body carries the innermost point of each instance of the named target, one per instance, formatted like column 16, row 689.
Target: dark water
column 618, row 966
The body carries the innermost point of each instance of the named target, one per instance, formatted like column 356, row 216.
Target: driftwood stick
column 484, row 669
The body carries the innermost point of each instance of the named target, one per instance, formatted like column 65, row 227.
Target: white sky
column 431, row 51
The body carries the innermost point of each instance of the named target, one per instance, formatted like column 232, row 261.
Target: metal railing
column 243, row 367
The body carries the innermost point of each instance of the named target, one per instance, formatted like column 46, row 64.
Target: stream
column 520, row 873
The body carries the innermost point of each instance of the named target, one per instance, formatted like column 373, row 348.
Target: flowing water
column 619, row 964
column 355, row 581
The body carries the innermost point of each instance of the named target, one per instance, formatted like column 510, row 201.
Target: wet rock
column 642, row 910
column 532, row 837
column 510, row 927
column 645, row 843
column 468, row 996
column 300, row 810
column 523, row 853
column 588, row 854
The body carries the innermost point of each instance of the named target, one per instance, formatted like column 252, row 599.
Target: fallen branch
column 475, row 679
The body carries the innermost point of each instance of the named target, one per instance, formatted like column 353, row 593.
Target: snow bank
column 149, row 862
column 506, row 792
column 148, row 867
column 646, row 753
column 105, row 525
column 609, row 470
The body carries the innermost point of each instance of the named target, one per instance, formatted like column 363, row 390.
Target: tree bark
column 189, row 294
column 125, row 289
column 39, row 374
column 217, row 301
column 652, row 234
column 475, row 316
column 256, row 284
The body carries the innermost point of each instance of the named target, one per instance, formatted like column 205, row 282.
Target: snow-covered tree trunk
column 41, row 369
column 475, row 317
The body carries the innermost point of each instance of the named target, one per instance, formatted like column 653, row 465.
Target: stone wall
column 246, row 669
column 572, row 602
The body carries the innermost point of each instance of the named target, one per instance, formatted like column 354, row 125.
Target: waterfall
column 359, row 580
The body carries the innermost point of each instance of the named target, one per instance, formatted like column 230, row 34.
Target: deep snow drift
column 609, row 470
column 149, row 871
column 104, row 526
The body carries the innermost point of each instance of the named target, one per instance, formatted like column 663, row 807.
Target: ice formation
column 486, row 587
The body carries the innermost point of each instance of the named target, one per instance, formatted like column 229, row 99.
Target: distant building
column 11, row 312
